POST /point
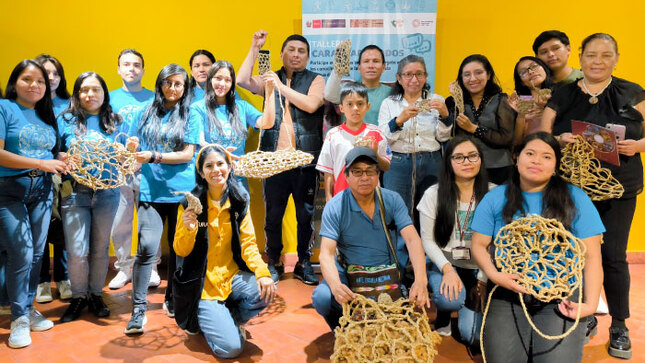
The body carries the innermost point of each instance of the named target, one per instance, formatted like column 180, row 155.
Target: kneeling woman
column 536, row 188
column 236, row 282
column 446, row 235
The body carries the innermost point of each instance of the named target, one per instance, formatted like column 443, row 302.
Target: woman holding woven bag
column 536, row 188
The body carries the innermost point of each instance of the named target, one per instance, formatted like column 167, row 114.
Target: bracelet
column 158, row 158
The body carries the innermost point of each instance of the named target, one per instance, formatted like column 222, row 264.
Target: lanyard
column 460, row 227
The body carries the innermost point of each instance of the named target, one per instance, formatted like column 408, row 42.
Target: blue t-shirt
column 198, row 94
column 361, row 239
column 248, row 117
column 159, row 181
column 25, row 134
column 127, row 104
column 60, row 105
column 488, row 215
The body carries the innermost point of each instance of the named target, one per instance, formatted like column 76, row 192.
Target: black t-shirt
column 615, row 105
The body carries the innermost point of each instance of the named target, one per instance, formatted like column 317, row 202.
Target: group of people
column 451, row 179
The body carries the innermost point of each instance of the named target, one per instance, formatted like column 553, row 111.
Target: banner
column 399, row 27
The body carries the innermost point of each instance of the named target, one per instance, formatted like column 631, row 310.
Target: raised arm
column 245, row 79
column 267, row 120
column 332, row 88
column 309, row 102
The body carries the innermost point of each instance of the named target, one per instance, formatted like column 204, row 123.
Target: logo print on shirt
column 36, row 141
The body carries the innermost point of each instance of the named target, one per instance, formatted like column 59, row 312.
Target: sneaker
column 276, row 272
column 602, row 308
column 192, row 333
column 619, row 344
column 44, row 293
column 64, row 289
column 445, row 331
column 37, row 322
column 592, row 328
column 137, row 322
column 155, row 280
column 120, row 279
column 19, row 336
column 169, row 308
column 97, row 306
column 305, row 273
column 74, row 310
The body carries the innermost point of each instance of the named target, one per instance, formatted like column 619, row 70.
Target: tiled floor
column 289, row 331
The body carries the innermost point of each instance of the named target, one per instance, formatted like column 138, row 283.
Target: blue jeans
column 219, row 320
column 325, row 303
column 25, row 212
column 399, row 177
column 151, row 217
column 4, row 296
column 469, row 322
column 87, row 222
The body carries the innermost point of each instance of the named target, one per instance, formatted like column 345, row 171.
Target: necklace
column 594, row 97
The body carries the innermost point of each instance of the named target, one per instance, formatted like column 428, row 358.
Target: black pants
column 302, row 184
column 56, row 238
column 616, row 215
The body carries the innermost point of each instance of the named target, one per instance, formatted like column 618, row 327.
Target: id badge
column 461, row 253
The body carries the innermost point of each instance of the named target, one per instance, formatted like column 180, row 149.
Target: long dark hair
column 397, row 88
column 448, row 192
column 211, row 101
column 520, row 87
column 556, row 198
column 492, row 86
column 108, row 119
column 190, row 63
column 44, row 107
column 61, row 91
column 150, row 125
column 233, row 190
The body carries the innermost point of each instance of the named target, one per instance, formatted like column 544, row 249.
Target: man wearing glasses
column 351, row 223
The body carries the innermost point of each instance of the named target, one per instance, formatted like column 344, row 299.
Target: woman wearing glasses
column 531, row 76
column 414, row 133
column 446, row 236
column 167, row 146
column 487, row 114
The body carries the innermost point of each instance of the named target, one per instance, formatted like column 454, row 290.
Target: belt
column 35, row 173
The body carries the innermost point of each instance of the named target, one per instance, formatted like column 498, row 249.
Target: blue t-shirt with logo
column 247, row 114
column 198, row 94
column 127, row 104
column 25, row 134
column 159, row 181
column 60, row 105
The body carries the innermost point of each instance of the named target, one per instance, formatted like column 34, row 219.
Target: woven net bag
column 383, row 331
column 341, row 57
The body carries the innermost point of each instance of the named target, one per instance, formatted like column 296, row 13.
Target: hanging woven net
column 264, row 62
column 580, row 167
column 457, row 95
column 100, row 163
column 383, row 331
column 341, row 57
column 548, row 259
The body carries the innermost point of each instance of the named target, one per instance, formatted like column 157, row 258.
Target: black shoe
column 592, row 328
column 97, row 306
column 305, row 273
column 74, row 310
column 276, row 272
column 169, row 308
column 619, row 344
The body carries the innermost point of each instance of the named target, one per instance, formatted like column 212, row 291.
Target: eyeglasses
column 459, row 159
column 170, row 84
column 408, row 75
column 533, row 68
column 357, row 173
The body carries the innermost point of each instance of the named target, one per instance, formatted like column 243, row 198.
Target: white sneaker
column 19, row 336
column 602, row 308
column 44, row 293
column 445, row 331
column 121, row 278
column 155, row 280
column 64, row 289
column 37, row 322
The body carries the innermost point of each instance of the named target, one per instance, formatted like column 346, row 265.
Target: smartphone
column 264, row 61
column 618, row 129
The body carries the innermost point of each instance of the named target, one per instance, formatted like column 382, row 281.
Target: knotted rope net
column 580, row 167
column 264, row 62
column 100, row 163
column 457, row 95
column 193, row 202
column 263, row 164
column 383, row 331
column 549, row 260
column 341, row 57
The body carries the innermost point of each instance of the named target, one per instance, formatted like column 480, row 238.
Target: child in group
column 353, row 132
